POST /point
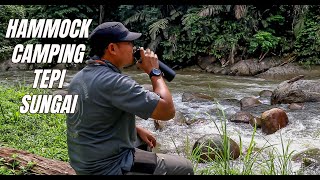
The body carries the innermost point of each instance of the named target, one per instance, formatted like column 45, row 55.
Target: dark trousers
column 164, row 164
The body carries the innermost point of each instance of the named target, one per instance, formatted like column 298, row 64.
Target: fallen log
column 36, row 164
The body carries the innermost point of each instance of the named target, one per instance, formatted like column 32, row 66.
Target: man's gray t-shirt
column 102, row 131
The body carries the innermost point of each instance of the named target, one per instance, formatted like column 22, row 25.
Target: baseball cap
column 112, row 32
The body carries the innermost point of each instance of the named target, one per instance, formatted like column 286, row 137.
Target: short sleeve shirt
column 101, row 132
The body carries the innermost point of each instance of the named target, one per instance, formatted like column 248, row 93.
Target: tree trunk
column 101, row 17
column 106, row 12
column 232, row 53
column 17, row 159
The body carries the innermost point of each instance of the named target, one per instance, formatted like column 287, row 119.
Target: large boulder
column 296, row 91
column 209, row 147
column 308, row 157
column 246, row 68
column 8, row 65
column 251, row 67
column 282, row 72
column 205, row 61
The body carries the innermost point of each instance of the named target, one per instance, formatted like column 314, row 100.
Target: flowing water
column 302, row 132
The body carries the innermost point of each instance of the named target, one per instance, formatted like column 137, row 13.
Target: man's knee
column 173, row 165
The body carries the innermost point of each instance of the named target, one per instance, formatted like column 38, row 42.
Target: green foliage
column 264, row 41
column 196, row 38
column 156, row 21
column 64, row 12
column 204, row 35
column 276, row 20
column 307, row 45
column 8, row 12
column 5, row 52
column 146, row 14
column 13, row 167
column 155, row 27
column 181, row 33
column 41, row 134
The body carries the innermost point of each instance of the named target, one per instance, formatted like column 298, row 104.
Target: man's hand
column 149, row 60
column 146, row 136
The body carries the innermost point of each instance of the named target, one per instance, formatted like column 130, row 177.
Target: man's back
column 102, row 130
column 97, row 132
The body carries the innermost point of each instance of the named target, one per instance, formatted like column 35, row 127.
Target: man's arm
column 165, row 109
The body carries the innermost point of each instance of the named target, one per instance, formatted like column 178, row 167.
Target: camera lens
column 136, row 53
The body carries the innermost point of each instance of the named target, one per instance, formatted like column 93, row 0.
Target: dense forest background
column 181, row 33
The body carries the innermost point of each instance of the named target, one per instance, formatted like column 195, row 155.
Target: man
column 102, row 134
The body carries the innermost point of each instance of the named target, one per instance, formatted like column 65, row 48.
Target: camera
column 167, row 72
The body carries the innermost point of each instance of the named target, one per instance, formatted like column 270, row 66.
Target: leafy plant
column 8, row 12
column 263, row 42
column 307, row 45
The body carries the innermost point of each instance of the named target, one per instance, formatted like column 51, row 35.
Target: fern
column 138, row 16
column 211, row 10
column 154, row 28
column 174, row 14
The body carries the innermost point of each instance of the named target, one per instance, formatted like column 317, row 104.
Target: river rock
column 269, row 62
column 246, row 68
column 295, row 106
column 298, row 91
column 256, row 121
column 308, row 157
column 203, row 153
column 281, row 72
column 273, row 120
column 8, row 65
column 60, row 92
column 179, row 118
column 225, row 70
column 247, row 102
column 257, row 110
column 159, row 125
column 241, row 117
column 215, row 69
column 205, row 61
column 265, row 93
column 229, row 102
column 191, row 121
column 60, row 66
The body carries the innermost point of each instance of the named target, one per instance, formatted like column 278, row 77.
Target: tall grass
column 278, row 163
column 255, row 160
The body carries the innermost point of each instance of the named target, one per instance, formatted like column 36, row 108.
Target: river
column 302, row 132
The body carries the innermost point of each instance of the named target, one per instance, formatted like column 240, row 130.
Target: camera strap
column 99, row 62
